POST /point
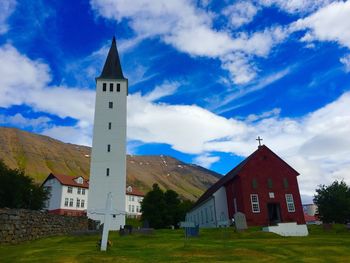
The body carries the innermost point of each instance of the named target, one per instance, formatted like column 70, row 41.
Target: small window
column 290, row 203
column 110, row 105
column 82, row 204
column 109, row 125
column 110, row 87
column 255, row 203
column 255, row 183
column 108, row 148
column 129, row 208
column 107, row 171
column 285, row 183
column 66, row 202
column 118, row 87
column 79, row 191
column 71, row 202
column 78, row 202
column 133, row 208
column 104, row 86
column 70, row 189
column 132, row 198
column 82, row 192
column 269, row 183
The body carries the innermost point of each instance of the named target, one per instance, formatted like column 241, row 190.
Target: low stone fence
column 18, row 225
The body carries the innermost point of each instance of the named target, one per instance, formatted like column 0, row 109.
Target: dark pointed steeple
column 112, row 68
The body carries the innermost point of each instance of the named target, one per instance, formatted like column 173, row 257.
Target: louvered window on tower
column 110, row 87
column 110, row 105
column 107, row 172
column 104, row 86
column 118, row 87
column 108, row 148
column 109, row 126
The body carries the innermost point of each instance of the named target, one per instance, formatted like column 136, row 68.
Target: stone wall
column 18, row 225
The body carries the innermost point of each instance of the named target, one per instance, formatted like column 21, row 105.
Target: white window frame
column 78, row 202
column 69, row 189
column 290, row 203
column 66, row 201
column 82, row 203
column 83, row 191
column 79, row 191
column 71, row 202
column 255, row 203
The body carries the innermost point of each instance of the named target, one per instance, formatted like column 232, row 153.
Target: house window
column 110, row 105
column 110, row 87
column 255, row 203
column 71, row 202
column 104, row 86
column 132, row 208
column 78, row 202
column 129, row 208
column 82, row 204
column 70, row 189
column 269, row 183
column 82, row 192
column 66, row 202
column 79, row 191
column 118, row 87
column 290, row 203
column 132, row 198
column 107, row 172
column 285, row 183
column 255, row 183
column 108, row 148
column 109, row 125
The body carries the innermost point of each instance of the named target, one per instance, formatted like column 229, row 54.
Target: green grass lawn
column 213, row 245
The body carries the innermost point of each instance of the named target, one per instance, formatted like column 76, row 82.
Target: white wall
column 210, row 212
column 115, row 160
column 221, row 204
column 133, row 200
column 74, row 195
column 54, row 201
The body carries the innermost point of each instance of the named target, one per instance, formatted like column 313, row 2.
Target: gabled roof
column 112, row 68
column 233, row 173
column 134, row 191
column 68, row 180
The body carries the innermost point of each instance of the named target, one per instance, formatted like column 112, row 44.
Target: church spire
column 112, row 68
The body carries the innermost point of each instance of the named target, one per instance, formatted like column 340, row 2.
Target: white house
column 133, row 202
column 69, row 196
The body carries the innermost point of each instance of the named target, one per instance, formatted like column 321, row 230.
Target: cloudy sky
column 206, row 77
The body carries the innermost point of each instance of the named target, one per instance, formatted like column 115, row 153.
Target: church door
column 274, row 213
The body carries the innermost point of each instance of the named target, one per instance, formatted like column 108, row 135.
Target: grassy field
column 213, row 245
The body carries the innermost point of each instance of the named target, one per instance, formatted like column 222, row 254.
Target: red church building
column 263, row 187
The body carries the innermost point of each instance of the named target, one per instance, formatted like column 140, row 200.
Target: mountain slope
column 40, row 155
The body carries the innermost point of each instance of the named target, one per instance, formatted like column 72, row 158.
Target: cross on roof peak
column 259, row 139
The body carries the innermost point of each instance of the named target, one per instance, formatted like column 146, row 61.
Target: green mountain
column 40, row 155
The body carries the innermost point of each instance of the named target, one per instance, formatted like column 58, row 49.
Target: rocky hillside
column 39, row 155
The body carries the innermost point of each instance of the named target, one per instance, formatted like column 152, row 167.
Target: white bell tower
column 108, row 157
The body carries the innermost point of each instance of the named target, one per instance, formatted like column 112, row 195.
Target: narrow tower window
column 108, row 148
column 109, row 125
column 110, row 105
column 110, row 87
column 107, row 172
column 104, row 86
column 269, row 183
column 118, row 87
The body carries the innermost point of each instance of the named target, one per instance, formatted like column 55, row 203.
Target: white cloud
column 26, row 81
column 296, row 6
column 240, row 13
column 272, row 113
column 346, row 61
column 7, row 7
column 190, row 29
column 20, row 121
column 206, row 160
column 166, row 89
column 330, row 23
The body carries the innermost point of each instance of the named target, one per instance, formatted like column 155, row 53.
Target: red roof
column 68, row 180
column 309, row 218
column 134, row 191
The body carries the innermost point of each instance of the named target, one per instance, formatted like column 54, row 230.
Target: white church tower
column 108, row 157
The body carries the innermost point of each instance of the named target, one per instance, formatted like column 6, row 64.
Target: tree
column 333, row 202
column 19, row 191
column 163, row 209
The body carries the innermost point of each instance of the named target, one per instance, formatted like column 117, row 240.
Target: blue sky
column 206, row 77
